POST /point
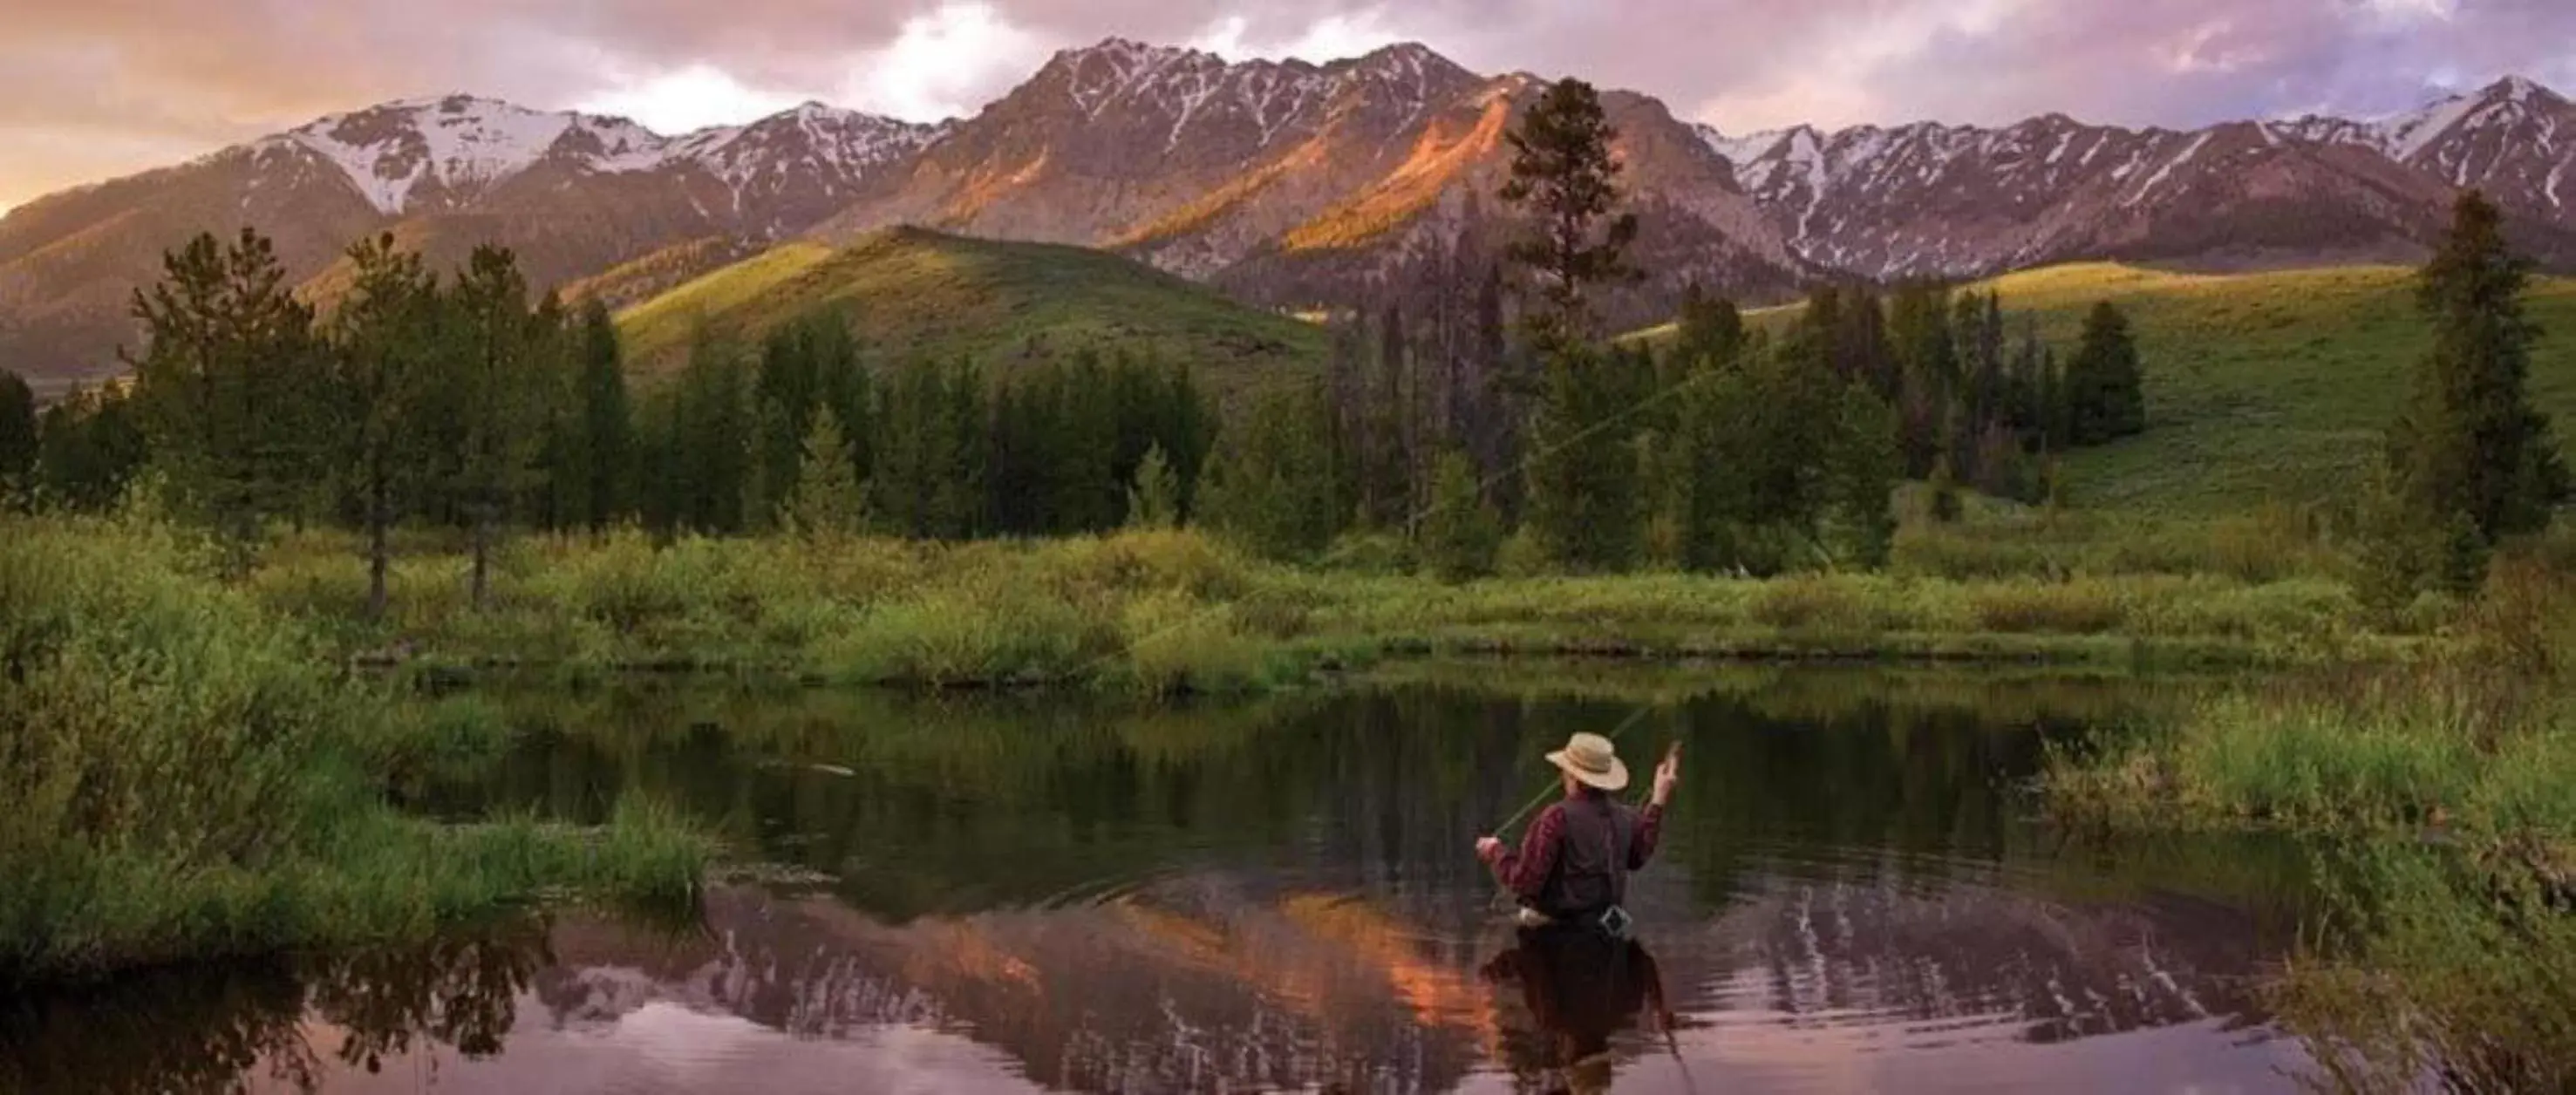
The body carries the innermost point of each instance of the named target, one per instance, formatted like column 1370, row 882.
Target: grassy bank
column 2444, row 793
column 1172, row 611
column 186, row 778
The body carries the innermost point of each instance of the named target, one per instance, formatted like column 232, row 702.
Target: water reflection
column 1580, row 988
column 290, row 1025
column 1016, row 893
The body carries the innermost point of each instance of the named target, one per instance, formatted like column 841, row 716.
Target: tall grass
column 2449, row 784
column 185, row 778
column 1177, row 611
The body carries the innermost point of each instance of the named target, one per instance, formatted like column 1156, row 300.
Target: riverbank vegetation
column 2443, row 782
column 1179, row 610
column 186, row 779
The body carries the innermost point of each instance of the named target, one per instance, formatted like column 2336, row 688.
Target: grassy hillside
column 639, row 280
column 2261, row 387
column 910, row 291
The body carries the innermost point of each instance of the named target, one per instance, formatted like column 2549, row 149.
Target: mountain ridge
column 1289, row 184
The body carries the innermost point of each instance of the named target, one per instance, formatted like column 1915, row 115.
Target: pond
column 1030, row 892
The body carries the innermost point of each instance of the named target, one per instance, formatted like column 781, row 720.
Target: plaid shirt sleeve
column 1650, row 828
column 1525, row 872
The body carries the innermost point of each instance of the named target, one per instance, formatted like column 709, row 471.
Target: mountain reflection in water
column 1014, row 897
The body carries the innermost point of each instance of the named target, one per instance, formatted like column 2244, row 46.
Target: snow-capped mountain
column 429, row 153
column 574, row 194
column 1292, row 183
column 1287, row 183
column 1934, row 200
column 446, row 153
column 2513, row 139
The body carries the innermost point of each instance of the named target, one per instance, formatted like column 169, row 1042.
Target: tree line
column 1466, row 426
column 462, row 400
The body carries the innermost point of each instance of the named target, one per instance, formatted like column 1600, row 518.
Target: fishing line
column 1634, row 717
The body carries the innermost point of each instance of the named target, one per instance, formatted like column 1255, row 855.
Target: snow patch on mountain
column 2166, row 172
column 1744, row 151
column 2406, row 135
column 390, row 150
column 1188, row 88
column 458, row 143
column 1112, row 70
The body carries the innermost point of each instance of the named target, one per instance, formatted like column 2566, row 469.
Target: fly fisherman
column 1572, row 867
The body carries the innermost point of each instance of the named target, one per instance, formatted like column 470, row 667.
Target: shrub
column 185, row 778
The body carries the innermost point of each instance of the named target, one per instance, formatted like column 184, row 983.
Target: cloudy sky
column 91, row 89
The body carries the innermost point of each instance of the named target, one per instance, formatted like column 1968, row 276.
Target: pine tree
column 89, row 446
column 1863, row 466
column 609, row 445
column 1584, row 496
column 786, row 388
column 1461, row 533
column 18, row 438
column 2471, row 452
column 385, row 346
column 2104, row 395
column 1155, row 500
column 1926, row 359
column 828, row 501
column 231, row 384
column 1565, row 179
column 1185, row 428
column 1708, row 331
column 765, row 488
column 699, row 422
column 500, row 351
column 1267, row 485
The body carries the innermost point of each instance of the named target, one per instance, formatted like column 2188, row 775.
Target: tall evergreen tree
column 1862, row 468
column 1586, row 504
column 1708, row 330
column 1185, row 429
column 1461, row 532
column 764, row 485
column 1565, row 180
column 498, row 360
column 1267, row 485
column 2104, row 390
column 928, row 481
column 2471, row 450
column 1928, row 365
column 1154, row 502
column 799, row 361
column 230, row 383
column 828, row 502
column 385, row 343
column 1495, row 398
column 609, row 446
column 18, row 438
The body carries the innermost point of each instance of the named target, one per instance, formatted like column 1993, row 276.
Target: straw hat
column 1589, row 759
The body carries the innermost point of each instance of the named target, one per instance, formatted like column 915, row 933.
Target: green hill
column 2261, row 387
column 913, row 292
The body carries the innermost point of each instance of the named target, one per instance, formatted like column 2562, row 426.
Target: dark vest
column 1591, row 872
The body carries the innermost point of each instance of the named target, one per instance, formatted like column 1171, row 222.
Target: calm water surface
column 1015, row 894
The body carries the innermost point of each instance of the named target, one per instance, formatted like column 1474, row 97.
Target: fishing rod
column 1544, row 793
